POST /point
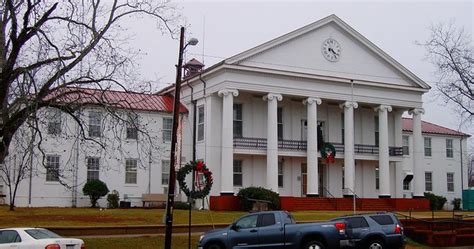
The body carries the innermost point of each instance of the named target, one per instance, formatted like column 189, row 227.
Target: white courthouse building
column 260, row 114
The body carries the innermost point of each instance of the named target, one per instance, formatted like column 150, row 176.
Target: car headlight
column 201, row 237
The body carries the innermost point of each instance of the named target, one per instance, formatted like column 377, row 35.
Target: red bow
column 199, row 165
column 330, row 158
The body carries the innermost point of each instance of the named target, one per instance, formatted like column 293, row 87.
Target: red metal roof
column 118, row 99
column 427, row 127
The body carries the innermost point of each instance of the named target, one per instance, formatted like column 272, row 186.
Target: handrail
column 332, row 199
column 354, row 196
column 327, row 191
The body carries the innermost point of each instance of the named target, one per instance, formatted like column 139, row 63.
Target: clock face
column 331, row 50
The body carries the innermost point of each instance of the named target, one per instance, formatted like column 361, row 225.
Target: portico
column 278, row 146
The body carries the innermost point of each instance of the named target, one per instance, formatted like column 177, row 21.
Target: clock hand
column 332, row 51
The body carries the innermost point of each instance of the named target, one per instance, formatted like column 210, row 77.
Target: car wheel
column 375, row 244
column 314, row 244
column 214, row 246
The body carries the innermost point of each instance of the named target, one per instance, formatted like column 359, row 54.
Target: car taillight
column 398, row 229
column 341, row 227
column 83, row 246
column 53, row 246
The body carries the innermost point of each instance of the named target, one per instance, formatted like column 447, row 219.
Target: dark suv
column 374, row 231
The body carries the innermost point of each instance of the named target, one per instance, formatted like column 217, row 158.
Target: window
column 42, row 234
column 54, row 121
column 165, row 172
column 52, row 168
column 342, row 129
column 427, row 146
column 357, row 222
column 280, row 123
column 95, row 124
column 167, row 129
column 382, row 219
column 247, row 222
column 450, row 181
column 406, row 145
column 289, row 219
column 267, row 220
column 200, row 124
column 238, row 123
column 9, row 236
column 406, row 185
column 93, row 165
column 238, row 173
column 428, row 181
column 132, row 127
column 449, row 148
column 377, row 179
column 280, row 174
column 131, row 171
column 376, row 129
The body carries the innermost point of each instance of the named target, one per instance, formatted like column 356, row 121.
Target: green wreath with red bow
column 203, row 179
column 328, row 151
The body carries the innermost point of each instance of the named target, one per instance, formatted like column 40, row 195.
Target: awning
column 408, row 177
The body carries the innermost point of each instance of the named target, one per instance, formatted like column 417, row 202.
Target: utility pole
column 174, row 138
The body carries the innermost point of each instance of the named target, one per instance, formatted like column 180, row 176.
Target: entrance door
column 304, row 179
column 322, row 177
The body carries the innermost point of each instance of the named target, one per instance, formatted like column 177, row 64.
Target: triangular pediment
column 301, row 51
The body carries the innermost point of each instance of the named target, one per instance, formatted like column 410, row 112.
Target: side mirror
column 235, row 227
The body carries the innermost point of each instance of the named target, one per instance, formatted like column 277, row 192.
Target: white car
column 36, row 238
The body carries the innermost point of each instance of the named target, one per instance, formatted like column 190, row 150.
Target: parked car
column 374, row 231
column 36, row 238
column 275, row 229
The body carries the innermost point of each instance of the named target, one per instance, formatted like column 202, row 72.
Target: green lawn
column 47, row 217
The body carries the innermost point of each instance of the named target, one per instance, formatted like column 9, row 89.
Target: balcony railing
column 299, row 145
column 250, row 143
column 295, row 145
column 369, row 149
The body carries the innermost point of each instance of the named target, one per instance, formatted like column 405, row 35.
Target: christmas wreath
column 203, row 179
column 328, row 151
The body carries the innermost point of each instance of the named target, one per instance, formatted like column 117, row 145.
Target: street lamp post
column 172, row 179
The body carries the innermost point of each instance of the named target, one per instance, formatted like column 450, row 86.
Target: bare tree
column 450, row 50
column 52, row 51
column 19, row 166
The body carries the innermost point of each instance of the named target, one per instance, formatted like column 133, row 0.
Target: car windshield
column 42, row 234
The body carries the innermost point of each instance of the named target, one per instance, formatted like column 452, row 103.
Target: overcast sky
column 225, row 28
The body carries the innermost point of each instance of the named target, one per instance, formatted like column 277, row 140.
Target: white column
column 312, row 147
column 418, row 174
column 398, row 142
column 384, row 164
column 272, row 140
column 227, row 156
column 349, row 163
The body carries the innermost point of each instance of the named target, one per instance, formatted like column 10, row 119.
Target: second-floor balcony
column 253, row 143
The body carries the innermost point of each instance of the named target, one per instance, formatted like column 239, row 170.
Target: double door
column 322, row 169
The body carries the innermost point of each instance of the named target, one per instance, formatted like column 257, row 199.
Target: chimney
column 192, row 67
